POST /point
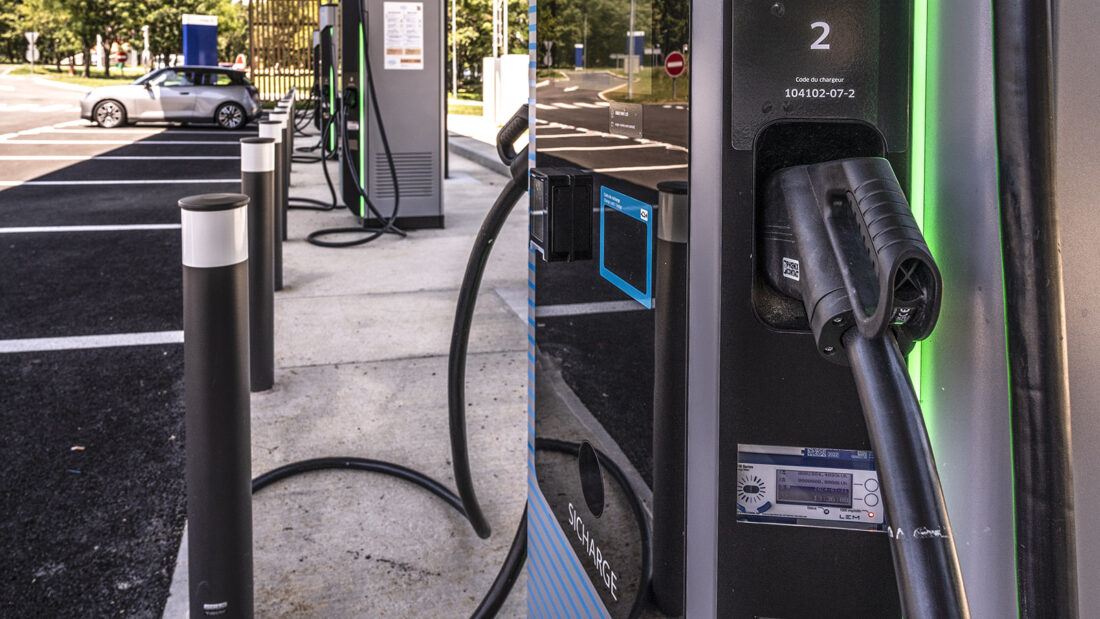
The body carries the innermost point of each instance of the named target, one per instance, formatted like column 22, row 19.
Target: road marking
column 109, row 157
column 565, row 106
column 131, row 182
column 586, row 148
column 586, row 134
column 543, row 106
column 591, row 106
column 570, row 89
column 642, row 168
column 580, row 309
column 43, row 344
column 34, row 108
column 122, row 228
column 64, row 85
column 602, row 104
column 5, row 139
column 155, row 130
column 7, row 88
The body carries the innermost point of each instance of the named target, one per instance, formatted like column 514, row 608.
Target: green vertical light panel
column 917, row 161
column 362, row 104
column 331, row 90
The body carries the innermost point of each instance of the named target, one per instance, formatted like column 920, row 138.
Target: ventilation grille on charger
column 414, row 175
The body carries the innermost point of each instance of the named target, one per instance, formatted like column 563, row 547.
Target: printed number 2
column 820, row 42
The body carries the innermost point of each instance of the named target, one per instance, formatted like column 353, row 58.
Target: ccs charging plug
column 841, row 237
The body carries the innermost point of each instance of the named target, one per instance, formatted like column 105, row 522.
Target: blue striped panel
column 554, row 551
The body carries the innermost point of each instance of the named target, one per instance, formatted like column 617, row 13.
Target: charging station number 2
column 820, row 42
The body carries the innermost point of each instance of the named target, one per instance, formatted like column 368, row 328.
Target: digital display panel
column 803, row 487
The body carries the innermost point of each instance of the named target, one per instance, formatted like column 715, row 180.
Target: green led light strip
column 917, row 157
column 362, row 123
column 331, row 90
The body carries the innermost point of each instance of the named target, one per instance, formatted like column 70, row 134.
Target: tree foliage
column 67, row 27
column 603, row 26
column 473, row 34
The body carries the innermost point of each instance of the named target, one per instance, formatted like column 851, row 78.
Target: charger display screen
column 804, row 487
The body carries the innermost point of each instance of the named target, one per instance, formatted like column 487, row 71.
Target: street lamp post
column 629, row 56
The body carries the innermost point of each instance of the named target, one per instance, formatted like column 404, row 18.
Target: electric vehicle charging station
column 326, row 108
column 398, row 45
column 782, row 494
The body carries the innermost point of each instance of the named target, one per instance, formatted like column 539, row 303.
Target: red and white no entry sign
column 675, row 65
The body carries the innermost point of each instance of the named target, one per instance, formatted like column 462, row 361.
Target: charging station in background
column 200, row 40
column 733, row 411
column 400, row 43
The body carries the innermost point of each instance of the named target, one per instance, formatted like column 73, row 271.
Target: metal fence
column 280, row 41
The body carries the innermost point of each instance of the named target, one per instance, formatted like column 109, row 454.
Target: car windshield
column 146, row 77
column 163, row 77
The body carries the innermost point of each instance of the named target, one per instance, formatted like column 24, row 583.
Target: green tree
column 109, row 18
column 55, row 40
column 474, row 32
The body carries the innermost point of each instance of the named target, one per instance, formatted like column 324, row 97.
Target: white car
column 185, row 94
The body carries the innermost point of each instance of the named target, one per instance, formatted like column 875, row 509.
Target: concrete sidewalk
column 362, row 336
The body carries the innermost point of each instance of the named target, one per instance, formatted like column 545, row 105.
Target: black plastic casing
column 841, row 237
column 561, row 213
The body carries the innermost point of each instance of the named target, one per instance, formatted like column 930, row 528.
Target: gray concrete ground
column 362, row 336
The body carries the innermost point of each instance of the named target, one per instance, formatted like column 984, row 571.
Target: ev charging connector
column 841, row 237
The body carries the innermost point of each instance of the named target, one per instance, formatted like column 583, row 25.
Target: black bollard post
column 273, row 128
column 258, row 183
column 216, row 397
column 288, row 157
column 670, row 397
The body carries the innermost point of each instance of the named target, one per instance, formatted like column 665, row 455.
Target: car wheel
column 229, row 116
column 109, row 113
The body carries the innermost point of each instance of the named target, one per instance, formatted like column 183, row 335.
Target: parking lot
column 91, row 359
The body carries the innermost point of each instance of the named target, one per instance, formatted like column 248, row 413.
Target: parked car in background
column 185, row 94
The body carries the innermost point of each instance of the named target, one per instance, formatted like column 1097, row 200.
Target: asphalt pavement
column 91, row 354
column 573, row 128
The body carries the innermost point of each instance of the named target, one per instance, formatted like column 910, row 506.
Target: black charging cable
column 311, row 204
column 517, row 553
column 641, row 597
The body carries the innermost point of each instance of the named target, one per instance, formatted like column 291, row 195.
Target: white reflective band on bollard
column 258, row 157
column 215, row 238
column 272, row 129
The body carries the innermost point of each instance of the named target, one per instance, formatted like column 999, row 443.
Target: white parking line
column 5, row 140
column 110, row 157
column 565, row 106
column 122, row 228
column 587, row 148
column 41, row 344
column 153, row 130
column 130, row 182
column 570, row 89
column 580, row 309
column 580, row 134
column 642, row 168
